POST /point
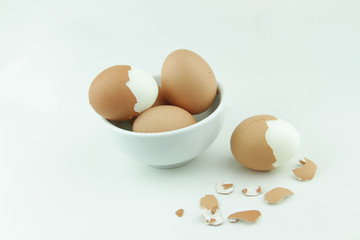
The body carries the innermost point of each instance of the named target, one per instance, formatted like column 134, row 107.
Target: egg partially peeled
column 121, row 92
column 264, row 142
column 162, row 119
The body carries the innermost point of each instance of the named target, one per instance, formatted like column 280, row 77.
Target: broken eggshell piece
column 210, row 210
column 224, row 187
column 249, row 216
column 180, row 212
column 306, row 171
column 277, row 194
column 252, row 191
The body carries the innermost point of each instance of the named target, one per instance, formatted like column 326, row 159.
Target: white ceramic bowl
column 174, row 148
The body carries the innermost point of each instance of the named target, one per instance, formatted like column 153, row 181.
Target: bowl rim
column 217, row 111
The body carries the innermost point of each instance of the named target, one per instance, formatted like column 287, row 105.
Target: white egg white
column 284, row 140
column 144, row 88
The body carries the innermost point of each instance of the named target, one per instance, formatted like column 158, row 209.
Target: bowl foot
column 176, row 165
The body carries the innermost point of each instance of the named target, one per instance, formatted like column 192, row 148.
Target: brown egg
column 122, row 92
column 162, row 119
column 161, row 99
column 188, row 81
column 264, row 142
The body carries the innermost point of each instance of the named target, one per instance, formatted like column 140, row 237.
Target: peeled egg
column 121, row 92
column 264, row 142
column 188, row 81
column 162, row 119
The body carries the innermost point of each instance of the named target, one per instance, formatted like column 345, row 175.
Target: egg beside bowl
column 264, row 142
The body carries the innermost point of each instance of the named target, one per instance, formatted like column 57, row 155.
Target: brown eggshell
column 110, row 97
column 188, row 81
column 307, row 170
column 277, row 194
column 249, row 145
column 162, row 119
column 161, row 99
column 209, row 202
column 180, row 212
column 249, row 216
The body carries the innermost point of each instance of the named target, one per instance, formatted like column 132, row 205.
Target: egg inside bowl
column 172, row 148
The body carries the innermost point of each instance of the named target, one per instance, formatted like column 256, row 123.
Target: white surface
column 144, row 88
column 63, row 177
column 283, row 139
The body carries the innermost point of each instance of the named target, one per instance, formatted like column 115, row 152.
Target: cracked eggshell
column 121, row 92
column 180, row 212
column 306, row 171
column 210, row 210
column 212, row 218
column 162, row 119
column 277, row 194
column 224, row 187
column 188, row 81
column 251, row 191
column 264, row 142
column 249, row 216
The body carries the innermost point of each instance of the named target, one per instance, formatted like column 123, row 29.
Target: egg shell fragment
column 224, row 187
column 180, row 212
column 162, row 119
column 210, row 210
column 188, row 81
column 277, row 194
column 306, row 171
column 251, row 191
column 249, row 216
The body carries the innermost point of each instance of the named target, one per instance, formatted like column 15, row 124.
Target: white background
column 62, row 176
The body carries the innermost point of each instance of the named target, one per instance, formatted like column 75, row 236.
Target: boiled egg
column 121, row 92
